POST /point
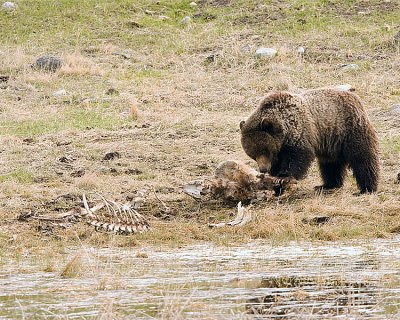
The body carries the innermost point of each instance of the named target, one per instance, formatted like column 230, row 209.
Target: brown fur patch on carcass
column 235, row 181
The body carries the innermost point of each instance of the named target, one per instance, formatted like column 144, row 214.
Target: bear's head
column 262, row 141
column 262, row 133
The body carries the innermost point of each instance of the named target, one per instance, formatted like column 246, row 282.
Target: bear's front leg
column 293, row 162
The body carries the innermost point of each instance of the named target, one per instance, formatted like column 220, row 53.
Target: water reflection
column 256, row 280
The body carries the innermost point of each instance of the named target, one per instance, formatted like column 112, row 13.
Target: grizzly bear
column 288, row 131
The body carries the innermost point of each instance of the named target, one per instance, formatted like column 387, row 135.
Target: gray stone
column 395, row 109
column 186, row 20
column 246, row 48
column 112, row 91
column 125, row 55
column 300, row 50
column 112, row 155
column 351, row 66
column 265, row 52
column 9, row 5
column 212, row 57
column 48, row 63
column 60, row 93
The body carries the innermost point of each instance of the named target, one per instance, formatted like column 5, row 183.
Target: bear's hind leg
column 332, row 173
column 366, row 172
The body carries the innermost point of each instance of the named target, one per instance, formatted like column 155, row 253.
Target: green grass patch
column 22, row 176
column 391, row 145
column 74, row 23
column 76, row 118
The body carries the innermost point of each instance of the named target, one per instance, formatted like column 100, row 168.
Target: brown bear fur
column 288, row 131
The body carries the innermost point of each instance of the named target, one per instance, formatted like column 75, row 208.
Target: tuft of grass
column 87, row 182
column 73, row 268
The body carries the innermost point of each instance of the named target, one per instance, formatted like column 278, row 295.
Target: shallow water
column 298, row 281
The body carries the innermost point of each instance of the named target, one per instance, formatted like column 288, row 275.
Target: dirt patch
column 361, row 8
column 262, row 14
column 375, row 6
column 214, row 3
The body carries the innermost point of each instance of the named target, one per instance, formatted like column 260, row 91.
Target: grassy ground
column 174, row 114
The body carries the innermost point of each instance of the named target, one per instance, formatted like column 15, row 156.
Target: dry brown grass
column 78, row 65
column 73, row 268
column 176, row 116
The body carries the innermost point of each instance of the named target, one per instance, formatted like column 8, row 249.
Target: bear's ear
column 241, row 124
column 270, row 126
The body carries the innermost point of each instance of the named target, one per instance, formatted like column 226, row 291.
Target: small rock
column 78, row 173
column 212, row 57
column 4, row 78
column 59, row 93
column 186, row 20
column 193, row 4
column 398, row 178
column 316, row 221
column 280, row 312
column 144, row 125
column 133, row 171
column 9, row 5
column 149, row 12
column 133, row 24
column 351, row 66
column 265, row 52
column 112, row 92
column 197, row 15
column 345, row 87
column 300, row 50
column 162, row 18
column 114, row 171
column 63, row 143
column 28, row 140
column 67, row 159
column 125, row 55
column 48, row 63
column 204, row 15
column 112, row 155
column 245, row 48
column 395, row 109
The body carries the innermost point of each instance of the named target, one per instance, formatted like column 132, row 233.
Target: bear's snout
column 264, row 165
